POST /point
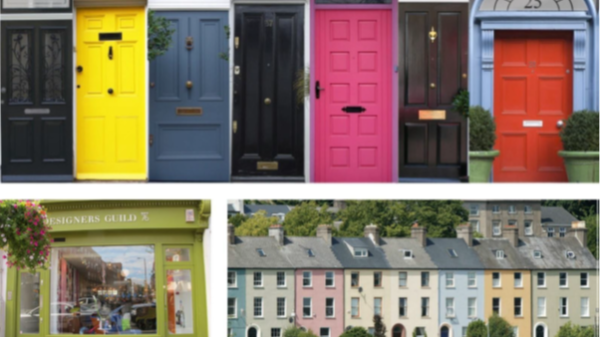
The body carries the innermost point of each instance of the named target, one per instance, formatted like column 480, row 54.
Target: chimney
column 324, row 232
column 512, row 234
column 372, row 232
column 276, row 231
column 579, row 231
column 339, row 204
column 465, row 232
column 231, row 234
column 419, row 233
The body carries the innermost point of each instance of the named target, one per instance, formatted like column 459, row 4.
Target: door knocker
column 432, row 34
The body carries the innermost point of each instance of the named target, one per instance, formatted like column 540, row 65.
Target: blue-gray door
column 189, row 101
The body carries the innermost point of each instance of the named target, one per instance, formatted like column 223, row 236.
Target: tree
column 380, row 328
column 257, row 225
column 356, row 332
column 477, row 328
column 304, row 219
column 573, row 330
column 578, row 208
column 297, row 332
column 591, row 223
column 160, row 35
column 499, row 327
column 237, row 219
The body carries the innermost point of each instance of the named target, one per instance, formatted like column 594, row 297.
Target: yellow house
column 507, row 279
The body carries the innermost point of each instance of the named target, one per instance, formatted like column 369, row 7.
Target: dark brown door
column 433, row 68
column 268, row 116
column 37, row 101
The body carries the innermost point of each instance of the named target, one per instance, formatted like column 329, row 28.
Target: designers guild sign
column 97, row 219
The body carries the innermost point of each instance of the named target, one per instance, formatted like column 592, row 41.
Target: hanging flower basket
column 24, row 234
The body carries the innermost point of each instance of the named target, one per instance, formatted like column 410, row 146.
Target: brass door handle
column 267, row 101
column 189, row 84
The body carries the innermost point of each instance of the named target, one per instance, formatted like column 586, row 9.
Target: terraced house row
column 427, row 286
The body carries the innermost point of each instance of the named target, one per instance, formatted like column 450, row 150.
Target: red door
column 353, row 108
column 533, row 93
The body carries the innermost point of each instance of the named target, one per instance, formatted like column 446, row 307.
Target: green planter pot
column 582, row 167
column 480, row 165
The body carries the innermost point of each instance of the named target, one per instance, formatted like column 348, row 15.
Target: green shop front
column 116, row 267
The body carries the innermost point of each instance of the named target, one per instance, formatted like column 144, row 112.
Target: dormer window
column 537, row 254
column 570, row 254
column 499, row 254
column 407, row 254
column 310, row 253
column 452, row 253
column 562, row 232
column 261, row 252
column 361, row 252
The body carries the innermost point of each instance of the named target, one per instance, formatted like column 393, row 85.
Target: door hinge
column 151, row 139
column 234, row 126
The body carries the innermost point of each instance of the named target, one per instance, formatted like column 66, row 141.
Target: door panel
column 37, row 101
column 111, row 95
column 532, row 93
column 352, row 127
column 431, row 74
column 191, row 147
column 268, row 117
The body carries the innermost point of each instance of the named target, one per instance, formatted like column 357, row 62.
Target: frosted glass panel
column 180, row 302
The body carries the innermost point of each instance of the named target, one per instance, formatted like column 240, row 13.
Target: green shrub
column 460, row 103
column 482, row 129
column 573, row 330
column 356, row 332
column 581, row 131
column 477, row 328
column 499, row 327
column 160, row 35
column 297, row 332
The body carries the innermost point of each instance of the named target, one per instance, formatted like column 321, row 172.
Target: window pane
column 180, row 308
column 177, row 255
column 30, row 303
column 20, row 62
column 114, row 286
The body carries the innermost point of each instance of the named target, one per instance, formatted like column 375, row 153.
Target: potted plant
column 580, row 143
column 482, row 136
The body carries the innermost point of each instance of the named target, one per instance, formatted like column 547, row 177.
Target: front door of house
column 37, row 101
column 32, row 304
column 533, row 96
column 268, row 103
column 189, row 101
column 111, row 98
column 433, row 68
column 353, row 95
column 444, row 331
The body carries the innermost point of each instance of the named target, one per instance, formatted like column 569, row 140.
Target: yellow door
column 111, row 94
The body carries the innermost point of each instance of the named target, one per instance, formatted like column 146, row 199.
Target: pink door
column 353, row 111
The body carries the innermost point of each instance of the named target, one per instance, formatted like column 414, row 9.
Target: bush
column 581, row 131
column 380, row 328
column 499, row 327
column 297, row 332
column 160, row 35
column 477, row 328
column 482, row 129
column 573, row 330
column 460, row 103
column 356, row 332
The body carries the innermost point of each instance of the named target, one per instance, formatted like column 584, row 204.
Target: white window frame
column 400, row 279
column 499, row 284
column 500, row 254
column 405, row 306
column 464, row 331
column 427, row 307
column 474, row 210
column 450, row 310
column 528, row 229
column 332, row 278
column 475, row 225
column 562, row 232
column 515, row 331
column 234, row 284
column 375, row 305
column 410, row 254
column 566, row 280
column 380, row 279
column 284, row 285
column 496, row 224
column 234, row 316
column 499, row 305
column 581, row 307
column 332, row 307
column 284, row 307
column 262, row 279
column 473, row 307
column 520, row 306
column 357, row 307
column 527, row 209
column 537, row 254
column 309, row 306
column 309, row 273
column 328, row 332
column 550, row 232
column 541, row 300
column 587, row 280
column 512, row 209
column 561, row 305
column 357, row 279
column 254, row 307
column 496, row 209
column 423, row 273
column 361, row 252
column 449, row 277
column 276, row 329
column 472, row 276
column 520, row 284
column 538, row 280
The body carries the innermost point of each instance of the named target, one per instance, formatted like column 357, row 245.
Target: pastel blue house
column 461, row 285
column 236, row 302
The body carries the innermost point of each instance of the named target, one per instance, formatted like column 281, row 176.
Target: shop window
column 115, row 287
column 177, row 255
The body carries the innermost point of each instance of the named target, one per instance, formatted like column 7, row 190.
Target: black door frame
column 65, row 173
column 265, row 176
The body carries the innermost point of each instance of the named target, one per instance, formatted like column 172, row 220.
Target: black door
column 268, row 115
column 540, row 331
column 37, row 101
column 252, row 332
column 433, row 68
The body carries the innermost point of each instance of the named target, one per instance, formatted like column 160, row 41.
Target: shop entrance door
column 533, row 96
column 37, row 101
column 268, row 114
column 433, row 68
column 33, row 304
column 179, row 292
column 353, row 96
column 189, row 101
column 111, row 94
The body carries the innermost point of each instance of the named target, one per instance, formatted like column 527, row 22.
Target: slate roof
column 296, row 251
column 556, row 216
column 375, row 260
column 438, row 250
column 393, row 252
column 553, row 253
column 486, row 251
column 270, row 209
column 243, row 254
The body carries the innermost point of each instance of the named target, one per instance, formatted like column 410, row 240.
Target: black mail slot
column 111, row 36
column 353, row 109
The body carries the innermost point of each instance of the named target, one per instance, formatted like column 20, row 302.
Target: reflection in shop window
column 103, row 290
